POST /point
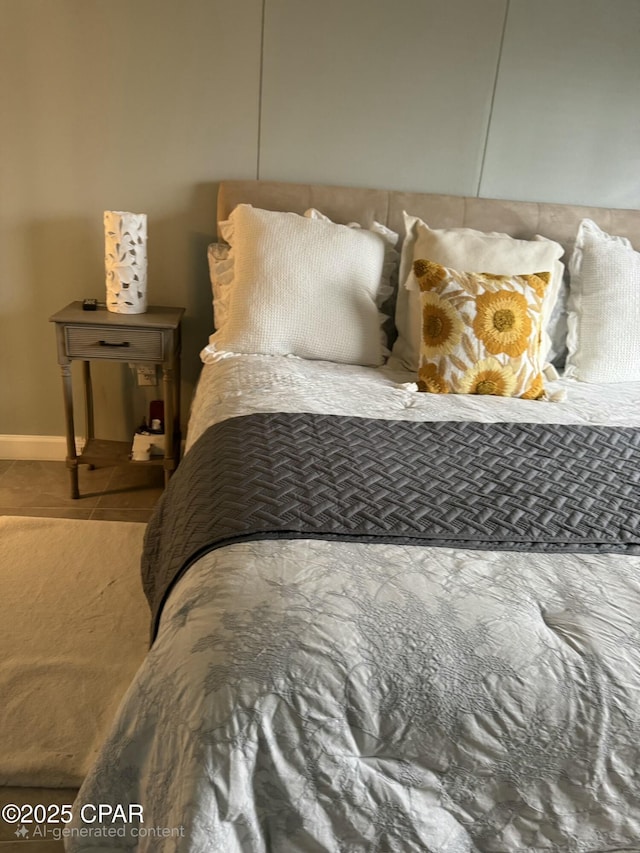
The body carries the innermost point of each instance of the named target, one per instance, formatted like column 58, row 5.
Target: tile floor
column 116, row 493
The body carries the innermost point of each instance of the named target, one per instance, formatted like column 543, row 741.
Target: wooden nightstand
column 149, row 338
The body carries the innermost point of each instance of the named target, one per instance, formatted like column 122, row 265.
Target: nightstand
column 149, row 338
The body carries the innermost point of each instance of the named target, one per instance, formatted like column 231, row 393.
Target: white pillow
column 221, row 271
column 474, row 251
column 391, row 254
column 557, row 327
column 221, row 277
column 301, row 286
column 604, row 308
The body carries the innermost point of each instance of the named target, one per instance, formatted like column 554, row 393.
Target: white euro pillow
column 603, row 319
column 221, row 272
column 300, row 286
column 221, row 277
column 473, row 251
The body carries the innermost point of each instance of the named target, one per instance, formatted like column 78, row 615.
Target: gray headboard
column 345, row 204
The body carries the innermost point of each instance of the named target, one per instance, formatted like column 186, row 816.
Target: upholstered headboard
column 346, row 204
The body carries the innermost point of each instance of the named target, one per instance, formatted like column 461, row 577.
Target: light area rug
column 73, row 631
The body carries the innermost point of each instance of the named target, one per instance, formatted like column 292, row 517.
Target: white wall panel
column 393, row 95
column 566, row 118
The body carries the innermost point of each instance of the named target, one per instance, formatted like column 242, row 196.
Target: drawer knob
column 109, row 344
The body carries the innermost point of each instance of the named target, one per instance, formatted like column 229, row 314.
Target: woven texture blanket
column 498, row 486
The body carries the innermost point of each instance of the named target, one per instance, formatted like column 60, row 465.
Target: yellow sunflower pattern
column 442, row 326
column 480, row 332
column 430, row 380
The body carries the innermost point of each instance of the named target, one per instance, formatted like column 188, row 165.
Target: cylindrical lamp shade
column 125, row 260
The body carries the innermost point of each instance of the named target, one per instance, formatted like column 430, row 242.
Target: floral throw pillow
column 481, row 333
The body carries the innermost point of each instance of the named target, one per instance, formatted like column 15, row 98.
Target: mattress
column 313, row 695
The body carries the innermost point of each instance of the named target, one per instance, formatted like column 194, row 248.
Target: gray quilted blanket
column 498, row 486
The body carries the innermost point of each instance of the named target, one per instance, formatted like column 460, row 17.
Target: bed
column 385, row 619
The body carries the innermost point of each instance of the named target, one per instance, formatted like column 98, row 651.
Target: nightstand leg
column 72, row 456
column 88, row 402
column 88, row 398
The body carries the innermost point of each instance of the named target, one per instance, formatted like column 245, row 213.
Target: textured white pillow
column 391, row 254
column 221, row 271
column 301, row 286
column 475, row 251
column 604, row 308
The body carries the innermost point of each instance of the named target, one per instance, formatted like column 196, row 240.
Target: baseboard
column 36, row 447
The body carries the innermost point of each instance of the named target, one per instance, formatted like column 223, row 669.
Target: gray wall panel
column 391, row 95
column 566, row 119
column 113, row 106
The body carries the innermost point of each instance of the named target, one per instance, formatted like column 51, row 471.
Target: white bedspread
column 316, row 696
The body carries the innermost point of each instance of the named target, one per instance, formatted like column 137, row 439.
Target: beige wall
column 146, row 104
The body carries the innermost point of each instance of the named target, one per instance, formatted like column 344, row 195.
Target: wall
column 146, row 104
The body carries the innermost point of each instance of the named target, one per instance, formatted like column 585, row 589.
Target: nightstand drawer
column 106, row 342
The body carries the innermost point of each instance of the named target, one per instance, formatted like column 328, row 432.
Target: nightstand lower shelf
column 97, row 450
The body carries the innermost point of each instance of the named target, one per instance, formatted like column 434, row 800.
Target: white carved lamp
column 125, row 259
